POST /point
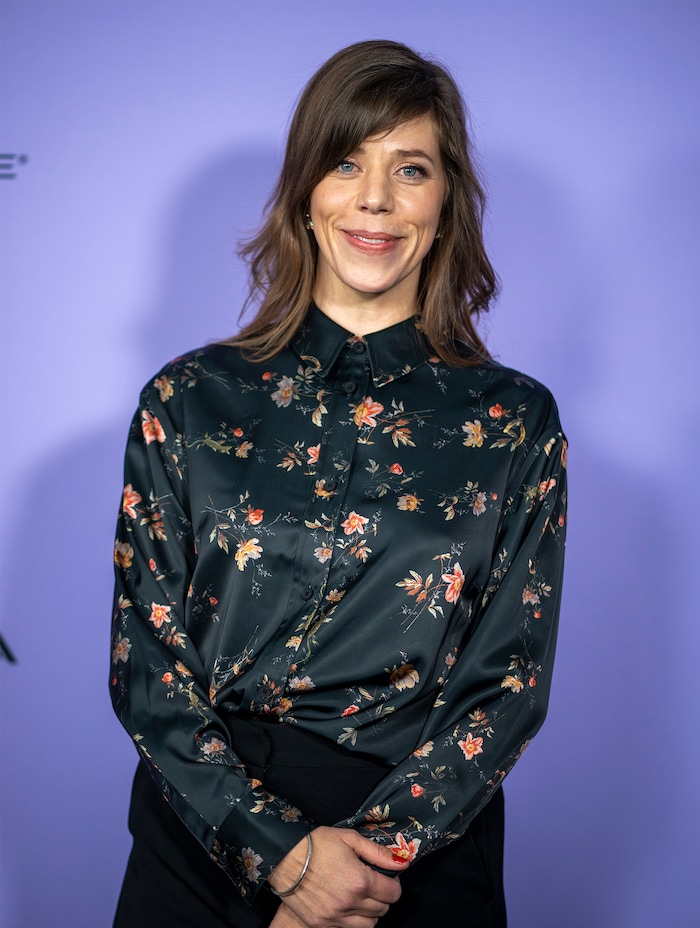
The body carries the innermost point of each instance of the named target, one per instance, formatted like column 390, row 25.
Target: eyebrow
column 404, row 153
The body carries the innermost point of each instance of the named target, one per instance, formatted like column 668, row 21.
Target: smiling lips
column 371, row 242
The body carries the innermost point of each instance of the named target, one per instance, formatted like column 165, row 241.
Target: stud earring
column 438, row 234
column 309, row 222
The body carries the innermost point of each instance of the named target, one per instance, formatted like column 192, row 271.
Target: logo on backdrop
column 9, row 164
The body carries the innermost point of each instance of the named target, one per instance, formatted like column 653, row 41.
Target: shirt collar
column 392, row 352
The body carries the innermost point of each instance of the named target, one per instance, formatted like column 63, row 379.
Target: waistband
column 323, row 779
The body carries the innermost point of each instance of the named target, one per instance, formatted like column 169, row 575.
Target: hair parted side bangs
column 362, row 91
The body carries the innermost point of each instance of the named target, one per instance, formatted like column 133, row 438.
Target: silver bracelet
column 295, row 886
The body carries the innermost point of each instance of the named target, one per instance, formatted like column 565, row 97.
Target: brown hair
column 363, row 90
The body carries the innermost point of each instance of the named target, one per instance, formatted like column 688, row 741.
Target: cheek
column 324, row 200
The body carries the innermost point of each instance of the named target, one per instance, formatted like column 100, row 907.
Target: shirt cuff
column 260, row 830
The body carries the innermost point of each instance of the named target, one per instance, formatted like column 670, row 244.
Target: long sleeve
column 338, row 542
column 159, row 682
column 496, row 683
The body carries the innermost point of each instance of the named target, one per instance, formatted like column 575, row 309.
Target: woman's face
column 375, row 216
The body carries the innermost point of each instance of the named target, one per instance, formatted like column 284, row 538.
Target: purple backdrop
column 153, row 133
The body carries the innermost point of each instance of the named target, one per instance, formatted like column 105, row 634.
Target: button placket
column 338, row 444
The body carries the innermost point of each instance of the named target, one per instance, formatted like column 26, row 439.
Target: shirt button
column 264, row 691
column 349, row 388
column 330, row 483
column 358, row 347
column 307, row 593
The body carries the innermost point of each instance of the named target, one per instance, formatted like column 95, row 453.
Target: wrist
column 289, row 874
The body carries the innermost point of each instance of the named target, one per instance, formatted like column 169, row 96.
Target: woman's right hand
column 340, row 889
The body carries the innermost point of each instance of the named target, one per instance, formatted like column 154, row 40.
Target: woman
column 340, row 547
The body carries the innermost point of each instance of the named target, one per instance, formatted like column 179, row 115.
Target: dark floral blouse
column 353, row 538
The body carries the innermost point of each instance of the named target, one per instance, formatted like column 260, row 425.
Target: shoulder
column 217, row 365
column 519, row 391
column 508, row 399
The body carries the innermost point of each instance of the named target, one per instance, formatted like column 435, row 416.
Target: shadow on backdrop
column 584, row 813
column 65, row 756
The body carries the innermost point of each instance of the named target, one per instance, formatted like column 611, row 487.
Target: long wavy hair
column 364, row 90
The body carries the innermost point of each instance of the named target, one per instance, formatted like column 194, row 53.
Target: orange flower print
column 182, row 669
column 404, row 850
column 167, row 678
column 416, row 790
column 396, row 469
column 455, row 582
column 365, row 411
column 564, row 454
column 123, row 554
column 159, row 614
column 532, row 682
column 130, row 499
column 312, row 454
column 120, row 651
column 151, row 427
column 471, row 746
column 285, row 392
column 545, row 486
column 512, row 683
column 334, row 596
column 351, row 710
column 267, row 375
column 354, row 523
column 404, row 677
column 238, row 432
column 323, row 554
column 251, row 862
column 424, row 749
column 496, row 411
column 408, row 502
column 164, row 385
column 247, row 550
column 475, row 434
column 213, row 747
column 243, row 449
column 529, row 596
column 255, row 516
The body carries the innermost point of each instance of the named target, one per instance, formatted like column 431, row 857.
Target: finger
column 368, row 892
column 376, row 855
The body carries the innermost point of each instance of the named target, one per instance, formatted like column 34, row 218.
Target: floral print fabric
column 353, row 538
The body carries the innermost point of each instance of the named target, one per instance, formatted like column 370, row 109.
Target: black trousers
column 171, row 882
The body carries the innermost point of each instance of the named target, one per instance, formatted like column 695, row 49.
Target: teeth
column 370, row 241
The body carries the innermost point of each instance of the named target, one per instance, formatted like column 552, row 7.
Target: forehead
column 414, row 135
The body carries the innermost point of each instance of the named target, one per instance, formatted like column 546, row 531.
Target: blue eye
column 345, row 167
column 412, row 170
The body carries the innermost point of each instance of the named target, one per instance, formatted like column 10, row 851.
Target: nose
column 374, row 195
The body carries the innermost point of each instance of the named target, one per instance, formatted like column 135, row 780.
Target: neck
column 365, row 313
